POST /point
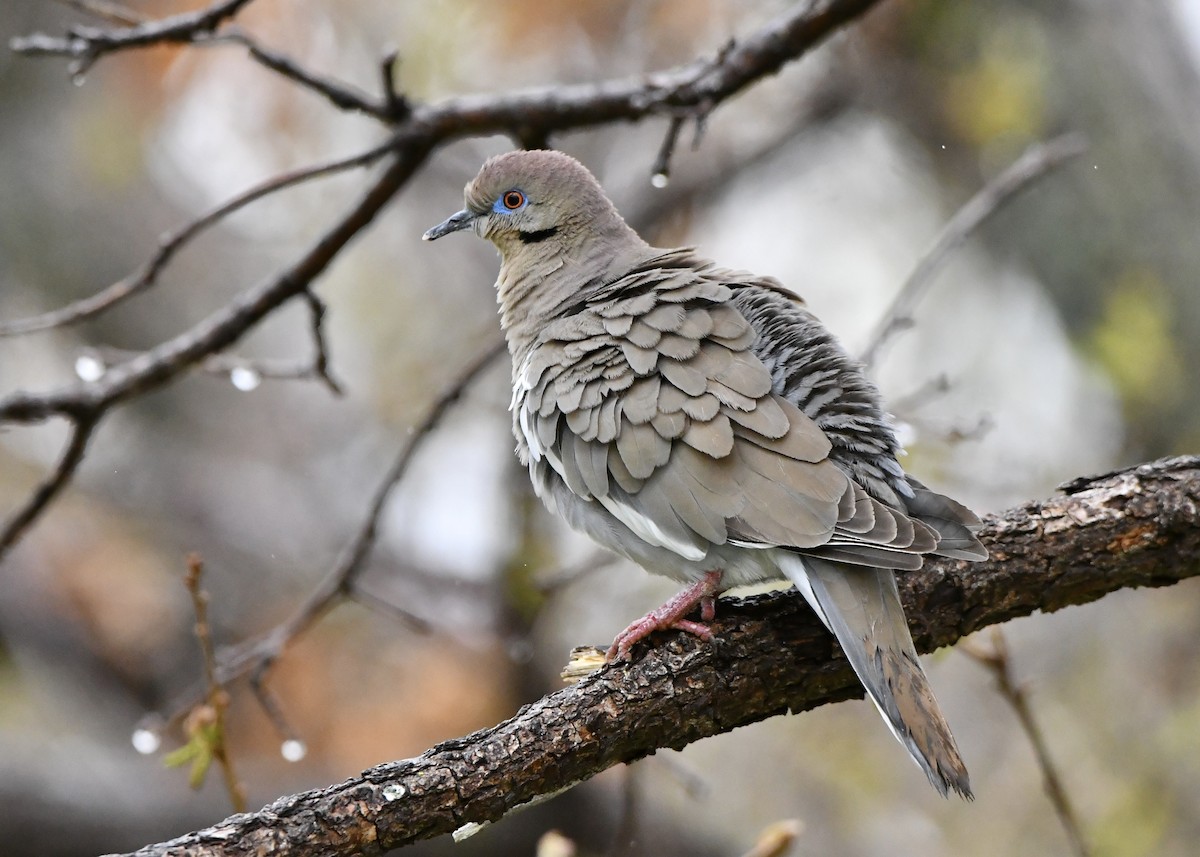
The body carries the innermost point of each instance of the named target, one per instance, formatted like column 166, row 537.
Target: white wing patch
column 531, row 438
column 793, row 569
column 742, row 543
column 650, row 532
column 524, row 418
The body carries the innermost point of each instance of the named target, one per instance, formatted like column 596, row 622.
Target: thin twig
column 361, row 595
column 1037, row 161
column 173, row 242
column 257, row 655
column 394, row 103
column 271, row 706
column 999, row 664
column 226, row 326
column 82, row 428
column 660, row 173
column 112, row 12
column 354, row 556
column 216, row 698
column 244, row 373
column 320, row 364
column 930, row 391
column 85, row 45
column 341, row 95
column 563, row 576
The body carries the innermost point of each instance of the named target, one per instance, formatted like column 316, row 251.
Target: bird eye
column 513, row 200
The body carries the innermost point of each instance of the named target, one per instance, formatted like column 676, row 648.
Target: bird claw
column 670, row 616
column 647, row 625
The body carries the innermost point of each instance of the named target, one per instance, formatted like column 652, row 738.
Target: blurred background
column 1062, row 340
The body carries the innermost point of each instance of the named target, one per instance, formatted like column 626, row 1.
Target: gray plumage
column 702, row 423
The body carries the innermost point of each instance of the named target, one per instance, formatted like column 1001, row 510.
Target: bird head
column 525, row 198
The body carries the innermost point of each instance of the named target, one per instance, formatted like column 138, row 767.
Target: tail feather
column 955, row 524
column 861, row 606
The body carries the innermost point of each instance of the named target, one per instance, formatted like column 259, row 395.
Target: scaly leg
column 670, row 615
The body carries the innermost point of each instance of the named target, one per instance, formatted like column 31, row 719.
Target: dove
column 704, row 424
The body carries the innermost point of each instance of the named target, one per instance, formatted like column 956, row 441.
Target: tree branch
column 15, row 526
column 256, row 656
column 172, row 242
column 165, row 362
column 341, row 95
column 85, row 45
column 1130, row 528
column 1038, row 160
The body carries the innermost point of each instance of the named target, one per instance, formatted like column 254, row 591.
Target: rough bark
column 1130, row 528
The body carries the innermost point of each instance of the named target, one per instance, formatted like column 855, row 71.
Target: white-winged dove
column 704, row 424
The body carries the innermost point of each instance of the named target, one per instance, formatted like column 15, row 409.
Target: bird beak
column 456, row 222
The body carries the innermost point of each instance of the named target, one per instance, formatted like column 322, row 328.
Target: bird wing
column 647, row 398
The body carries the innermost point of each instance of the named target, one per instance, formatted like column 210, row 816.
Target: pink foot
column 670, row 615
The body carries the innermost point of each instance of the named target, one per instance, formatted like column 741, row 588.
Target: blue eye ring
column 510, row 200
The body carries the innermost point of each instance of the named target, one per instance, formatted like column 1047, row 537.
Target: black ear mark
column 537, row 235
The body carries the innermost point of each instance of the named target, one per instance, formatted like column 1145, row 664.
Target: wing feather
column 652, row 403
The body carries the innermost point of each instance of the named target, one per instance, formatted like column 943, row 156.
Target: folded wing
column 650, row 400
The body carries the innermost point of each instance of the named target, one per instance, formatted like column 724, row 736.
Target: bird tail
column 861, row 606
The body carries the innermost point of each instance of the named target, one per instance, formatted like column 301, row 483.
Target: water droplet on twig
column 89, row 367
column 245, row 378
column 293, row 749
column 146, row 741
column 660, row 180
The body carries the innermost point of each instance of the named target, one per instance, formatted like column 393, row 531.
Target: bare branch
column 256, row 656
column 395, row 104
column 220, row 330
column 216, row 699
column 999, row 664
column 341, row 95
column 930, row 391
column 81, row 432
column 320, row 364
column 1136, row 527
column 244, row 373
column 558, row 578
column 354, row 556
column 172, row 243
column 85, row 45
column 107, row 11
column 269, row 703
column 697, row 86
column 1037, row 161
column 660, row 173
